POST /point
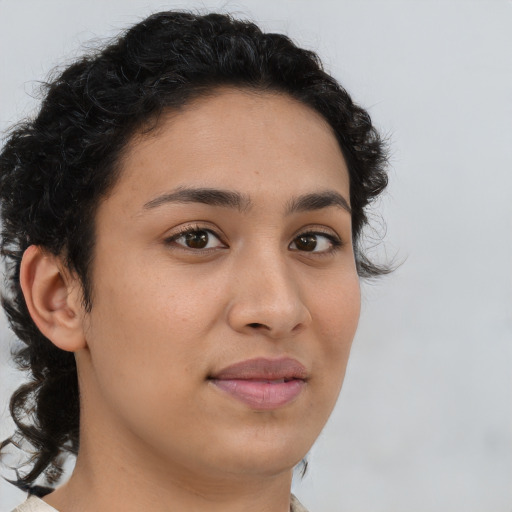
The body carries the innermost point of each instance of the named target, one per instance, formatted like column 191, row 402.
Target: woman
column 182, row 225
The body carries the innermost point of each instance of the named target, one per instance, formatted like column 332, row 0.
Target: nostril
column 256, row 325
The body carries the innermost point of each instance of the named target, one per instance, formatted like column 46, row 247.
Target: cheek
column 147, row 349
column 148, row 324
column 153, row 296
column 337, row 310
column 337, row 314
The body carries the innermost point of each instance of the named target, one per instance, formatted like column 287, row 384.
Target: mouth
column 262, row 384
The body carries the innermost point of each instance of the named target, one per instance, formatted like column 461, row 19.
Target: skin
column 155, row 433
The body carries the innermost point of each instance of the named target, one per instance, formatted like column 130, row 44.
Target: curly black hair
column 56, row 167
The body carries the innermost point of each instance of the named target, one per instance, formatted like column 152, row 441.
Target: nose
column 267, row 299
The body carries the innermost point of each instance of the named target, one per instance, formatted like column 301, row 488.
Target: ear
column 53, row 298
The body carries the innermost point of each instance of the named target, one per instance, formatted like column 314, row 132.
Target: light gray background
column 424, row 422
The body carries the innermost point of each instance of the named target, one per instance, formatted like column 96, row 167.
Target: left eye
column 314, row 242
column 198, row 239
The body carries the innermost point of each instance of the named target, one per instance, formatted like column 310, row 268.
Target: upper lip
column 262, row 368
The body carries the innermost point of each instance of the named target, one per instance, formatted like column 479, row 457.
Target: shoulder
column 34, row 504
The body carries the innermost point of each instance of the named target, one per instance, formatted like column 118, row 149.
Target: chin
column 265, row 457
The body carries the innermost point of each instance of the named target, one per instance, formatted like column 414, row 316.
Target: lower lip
column 262, row 395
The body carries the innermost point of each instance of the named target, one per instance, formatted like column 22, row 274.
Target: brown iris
column 197, row 239
column 306, row 242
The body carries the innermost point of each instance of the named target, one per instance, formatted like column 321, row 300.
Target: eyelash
column 335, row 242
column 189, row 230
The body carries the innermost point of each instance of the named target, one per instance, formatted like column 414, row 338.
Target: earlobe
column 53, row 299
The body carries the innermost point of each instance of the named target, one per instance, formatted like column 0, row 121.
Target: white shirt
column 34, row 504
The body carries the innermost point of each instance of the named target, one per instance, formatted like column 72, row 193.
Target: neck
column 131, row 491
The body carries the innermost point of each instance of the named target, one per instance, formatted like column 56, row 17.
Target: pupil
column 306, row 242
column 197, row 239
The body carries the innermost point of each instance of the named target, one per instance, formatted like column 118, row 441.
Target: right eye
column 196, row 239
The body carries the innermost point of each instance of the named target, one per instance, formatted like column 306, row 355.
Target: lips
column 261, row 383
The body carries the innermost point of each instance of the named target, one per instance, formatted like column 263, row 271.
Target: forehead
column 256, row 142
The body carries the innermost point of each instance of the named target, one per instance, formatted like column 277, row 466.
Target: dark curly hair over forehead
column 55, row 168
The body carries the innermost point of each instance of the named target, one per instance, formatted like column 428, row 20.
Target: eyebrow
column 209, row 196
column 242, row 202
column 317, row 201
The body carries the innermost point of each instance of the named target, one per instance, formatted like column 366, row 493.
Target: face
column 225, row 293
